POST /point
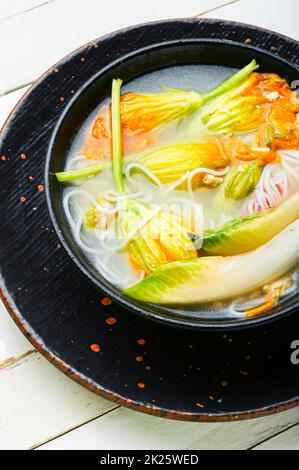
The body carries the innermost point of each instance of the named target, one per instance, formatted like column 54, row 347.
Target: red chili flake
column 106, row 301
column 56, row 70
column 82, row 59
column 199, row 405
column 95, row 347
column 211, row 397
column 224, row 383
column 22, row 199
column 40, row 187
column 4, row 158
column 96, row 45
column 30, row 178
column 273, row 48
column 61, row 98
column 110, row 321
column 148, row 367
column 141, row 341
column 141, row 385
column 23, row 156
column 139, row 358
column 248, row 40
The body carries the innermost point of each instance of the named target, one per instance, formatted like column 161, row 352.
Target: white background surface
column 39, row 406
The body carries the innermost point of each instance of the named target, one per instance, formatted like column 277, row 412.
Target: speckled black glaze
column 182, row 373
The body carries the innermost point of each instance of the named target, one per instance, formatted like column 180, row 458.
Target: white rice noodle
column 72, row 164
column 78, row 237
column 113, row 196
column 79, row 192
column 103, row 262
column 290, row 159
column 119, row 246
column 79, row 161
column 267, row 193
column 145, row 170
column 205, row 171
column 240, row 306
column 171, row 187
column 76, row 224
column 187, row 176
column 290, row 170
column 142, row 195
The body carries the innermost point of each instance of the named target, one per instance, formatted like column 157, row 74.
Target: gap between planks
column 275, row 436
column 15, row 361
column 202, row 13
column 67, row 431
column 27, row 10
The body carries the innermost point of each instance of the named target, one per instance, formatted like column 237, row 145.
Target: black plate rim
column 153, row 410
column 67, row 369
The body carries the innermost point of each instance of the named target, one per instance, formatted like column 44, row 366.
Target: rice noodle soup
column 191, row 197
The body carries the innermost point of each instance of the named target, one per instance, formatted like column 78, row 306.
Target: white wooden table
column 39, row 406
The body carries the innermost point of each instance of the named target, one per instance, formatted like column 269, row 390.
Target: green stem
column 231, row 82
column 90, row 170
column 117, row 162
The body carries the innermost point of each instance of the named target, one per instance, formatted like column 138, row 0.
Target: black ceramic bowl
column 184, row 46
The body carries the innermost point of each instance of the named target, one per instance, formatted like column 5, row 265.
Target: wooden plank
column 278, row 16
column 8, row 102
column 34, row 41
column 9, row 8
column 12, row 342
column 127, row 429
column 38, row 402
column 287, row 440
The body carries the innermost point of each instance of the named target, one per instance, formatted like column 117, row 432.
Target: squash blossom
column 242, row 180
column 160, row 240
column 239, row 110
column 260, row 99
column 141, row 113
column 171, row 162
column 156, row 238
